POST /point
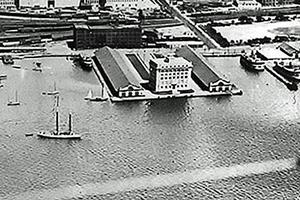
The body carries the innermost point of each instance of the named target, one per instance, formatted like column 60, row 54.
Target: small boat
column 289, row 71
column 28, row 134
column 16, row 66
column 14, row 102
column 57, row 134
column 7, row 59
column 84, row 62
column 37, row 67
column 89, row 95
column 53, row 92
column 251, row 62
column 101, row 97
column 3, row 76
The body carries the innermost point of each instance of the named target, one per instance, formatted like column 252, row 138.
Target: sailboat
column 53, row 92
column 57, row 134
column 101, row 97
column 89, row 95
column 14, row 103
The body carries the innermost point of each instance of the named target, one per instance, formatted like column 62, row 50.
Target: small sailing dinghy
column 53, row 92
column 89, row 95
column 101, row 97
column 14, row 102
column 57, row 134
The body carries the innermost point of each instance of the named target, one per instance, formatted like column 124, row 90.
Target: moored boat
column 7, row 59
column 251, row 62
column 289, row 71
column 14, row 102
column 51, row 92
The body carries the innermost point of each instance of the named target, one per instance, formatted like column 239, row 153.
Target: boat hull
column 286, row 74
column 245, row 62
column 50, row 135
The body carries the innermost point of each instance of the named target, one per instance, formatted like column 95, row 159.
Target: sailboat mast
column 57, row 125
column 57, row 120
column 70, row 122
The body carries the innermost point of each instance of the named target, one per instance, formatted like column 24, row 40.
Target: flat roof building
column 123, row 36
column 271, row 54
column 117, row 76
column 289, row 50
column 202, row 73
column 7, row 4
column 170, row 74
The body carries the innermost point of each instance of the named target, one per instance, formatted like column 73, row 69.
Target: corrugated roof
column 201, row 68
column 111, row 62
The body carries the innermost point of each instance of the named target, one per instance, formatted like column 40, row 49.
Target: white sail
column 89, row 95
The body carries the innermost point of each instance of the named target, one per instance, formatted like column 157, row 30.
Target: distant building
column 34, row 3
column 136, row 4
column 118, row 78
column 248, row 5
column 203, row 74
column 170, row 74
column 125, row 36
column 276, row 2
column 7, row 4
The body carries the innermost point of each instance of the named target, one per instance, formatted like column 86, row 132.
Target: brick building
column 86, row 36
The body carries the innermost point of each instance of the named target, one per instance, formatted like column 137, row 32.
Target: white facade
column 7, row 4
column 248, row 5
column 170, row 74
column 136, row 4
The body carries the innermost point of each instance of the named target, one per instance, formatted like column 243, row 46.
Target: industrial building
column 170, row 74
column 7, row 4
column 122, row 36
column 202, row 73
column 118, row 78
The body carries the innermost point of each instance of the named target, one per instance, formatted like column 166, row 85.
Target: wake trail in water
column 151, row 182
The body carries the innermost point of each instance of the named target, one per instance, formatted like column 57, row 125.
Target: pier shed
column 289, row 50
column 117, row 76
column 202, row 73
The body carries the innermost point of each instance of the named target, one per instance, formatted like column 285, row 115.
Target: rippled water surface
column 137, row 139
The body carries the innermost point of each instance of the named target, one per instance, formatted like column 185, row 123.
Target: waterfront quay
column 130, row 81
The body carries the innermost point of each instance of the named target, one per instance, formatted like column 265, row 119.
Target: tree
column 102, row 3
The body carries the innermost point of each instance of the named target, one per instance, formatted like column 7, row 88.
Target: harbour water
column 128, row 141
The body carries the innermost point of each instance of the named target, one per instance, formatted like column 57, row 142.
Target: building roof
column 272, row 53
column 171, row 61
column 113, row 65
column 104, row 27
column 288, row 49
column 201, row 68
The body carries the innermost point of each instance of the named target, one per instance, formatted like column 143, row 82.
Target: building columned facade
column 6, row 4
column 276, row 2
column 86, row 36
column 248, row 5
column 137, row 4
column 170, row 74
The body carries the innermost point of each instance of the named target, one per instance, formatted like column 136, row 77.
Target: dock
column 290, row 85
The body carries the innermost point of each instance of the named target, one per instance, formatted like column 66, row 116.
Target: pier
column 290, row 85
